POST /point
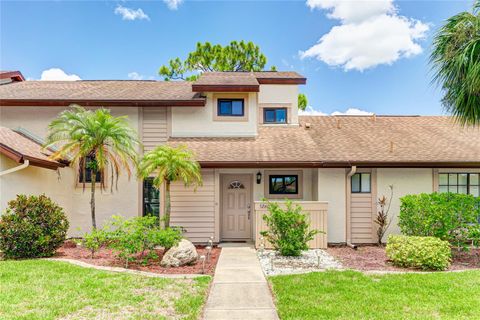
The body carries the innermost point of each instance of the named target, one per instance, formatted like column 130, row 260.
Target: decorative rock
column 311, row 260
column 180, row 255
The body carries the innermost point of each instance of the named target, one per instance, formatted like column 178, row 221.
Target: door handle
column 249, row 211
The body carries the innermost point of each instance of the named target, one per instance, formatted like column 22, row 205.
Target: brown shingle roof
column 345, row 141
column 20, row 148
column 279, row 77
column 226, row 81
column 140, row 93
column 244, row 81
column 271, row 145
column 107, row 91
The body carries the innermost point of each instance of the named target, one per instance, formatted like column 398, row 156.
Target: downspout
column 348, row 193
column 25, row 164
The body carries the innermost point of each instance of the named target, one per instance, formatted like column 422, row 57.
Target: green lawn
column 40, row 289
column 353, row 295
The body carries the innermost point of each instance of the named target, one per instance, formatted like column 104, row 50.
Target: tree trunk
column 167, row 204
column 92, row 198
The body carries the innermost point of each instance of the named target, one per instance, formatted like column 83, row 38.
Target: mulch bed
column 374, row 258
column 107, row 257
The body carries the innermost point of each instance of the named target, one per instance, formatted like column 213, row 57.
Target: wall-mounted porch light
column 259, row 177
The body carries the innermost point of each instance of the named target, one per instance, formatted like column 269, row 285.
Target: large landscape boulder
column 180, row 255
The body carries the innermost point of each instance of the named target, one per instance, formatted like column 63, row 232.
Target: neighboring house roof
column 100, row 92
column 10, row 76
column 244, row 81
column 331, row 141
column 20, row 148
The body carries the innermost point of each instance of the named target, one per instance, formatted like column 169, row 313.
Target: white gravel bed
column 311, row 260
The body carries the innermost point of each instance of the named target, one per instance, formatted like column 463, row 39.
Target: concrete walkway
column 239, row 289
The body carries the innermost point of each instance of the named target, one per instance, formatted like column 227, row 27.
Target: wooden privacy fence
column 316, row 210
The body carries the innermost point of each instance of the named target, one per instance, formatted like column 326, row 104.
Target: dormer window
column 231, row 108
column 275, row 115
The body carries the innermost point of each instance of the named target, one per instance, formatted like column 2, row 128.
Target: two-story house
column 251, row 143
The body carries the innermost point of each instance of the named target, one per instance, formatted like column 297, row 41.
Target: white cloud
column 58, row 74
column 353, row 11
column 135, row 76
column 352, row 112
column 131, row 14
column 173, row 4
column 310, row 111
column 371, row 33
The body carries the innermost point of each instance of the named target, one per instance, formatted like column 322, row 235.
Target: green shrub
column 288, row 230
column 139, row 235
column 33, row 226
column 426, row 253
column 95, row 240
column 447, row 216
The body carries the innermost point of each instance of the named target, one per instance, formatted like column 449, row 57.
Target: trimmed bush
column 426, row 253
column 448, row 216
column 32, row 227
column 288, row 230
column 130, row 237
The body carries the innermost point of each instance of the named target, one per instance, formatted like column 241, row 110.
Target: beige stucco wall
column 271, row 94
column 331, row 188
column 199, row 121
column 124, row 201
column 259, row 189
column 34, row 180
column 405, row 181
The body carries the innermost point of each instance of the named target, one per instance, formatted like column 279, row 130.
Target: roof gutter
column 329, row 164
column 348, row 192
column 25, row 164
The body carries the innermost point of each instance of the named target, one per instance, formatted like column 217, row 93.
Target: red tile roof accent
column 13, row 75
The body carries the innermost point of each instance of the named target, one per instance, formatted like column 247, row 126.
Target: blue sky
column 89, row 39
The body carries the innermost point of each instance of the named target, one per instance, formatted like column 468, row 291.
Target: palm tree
column 455, row 60
column 107, row 142
column 170, row 164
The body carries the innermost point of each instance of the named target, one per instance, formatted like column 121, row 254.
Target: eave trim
column 282, row 80
column 335, row 164
column 20, row 158
column 225, row 88
column 96, row 103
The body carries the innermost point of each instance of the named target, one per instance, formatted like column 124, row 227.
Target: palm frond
column 455, row 62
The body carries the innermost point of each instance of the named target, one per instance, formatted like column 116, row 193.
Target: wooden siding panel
column 317, row 212
column 194, row 210
column 154, row 127
column 362, row 213
column 361, row 217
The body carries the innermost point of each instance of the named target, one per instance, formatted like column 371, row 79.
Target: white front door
column 236, row 207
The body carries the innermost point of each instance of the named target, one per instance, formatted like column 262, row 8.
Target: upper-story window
column 467, row 183
column 275, row 115
column 231, row 108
